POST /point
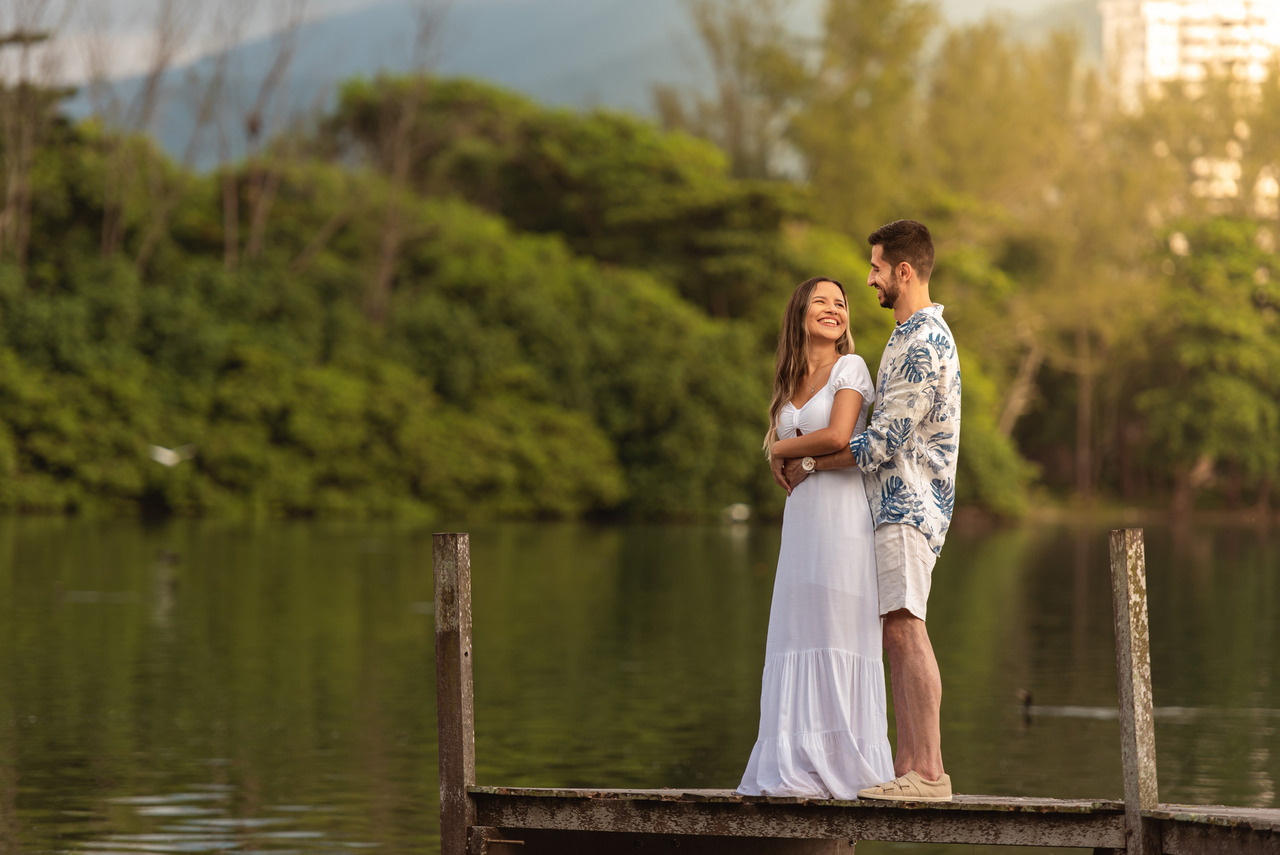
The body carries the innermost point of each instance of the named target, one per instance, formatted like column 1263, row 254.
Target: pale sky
column 131, row 29
column 968, row 11
column 121, row 37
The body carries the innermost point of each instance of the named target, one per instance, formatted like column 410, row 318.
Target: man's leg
column 904, row 756
column 917, row 695
column 904, row 566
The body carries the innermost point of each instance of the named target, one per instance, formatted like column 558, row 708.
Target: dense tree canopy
column 612, row 186
column 512, row 377
column 1052, row 208
column 443, row 297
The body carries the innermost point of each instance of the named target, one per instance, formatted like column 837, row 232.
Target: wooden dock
column 496, row 820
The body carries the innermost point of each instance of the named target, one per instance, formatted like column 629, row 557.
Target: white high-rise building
column 1148, row 42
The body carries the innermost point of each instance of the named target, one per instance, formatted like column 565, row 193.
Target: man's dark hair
column 906, row 240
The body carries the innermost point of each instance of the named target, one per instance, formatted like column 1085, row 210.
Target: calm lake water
column 214, row 687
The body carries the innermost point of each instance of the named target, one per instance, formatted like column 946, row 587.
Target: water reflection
column 200, row 686
column 200, row 822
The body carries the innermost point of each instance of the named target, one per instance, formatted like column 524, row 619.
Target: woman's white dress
column 823, row 727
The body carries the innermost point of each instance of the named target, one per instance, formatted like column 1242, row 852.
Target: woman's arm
column 833, row 437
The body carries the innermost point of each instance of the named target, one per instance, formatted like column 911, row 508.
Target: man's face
column 883, row 278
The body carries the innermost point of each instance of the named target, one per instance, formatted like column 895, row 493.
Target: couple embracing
column 868, row 507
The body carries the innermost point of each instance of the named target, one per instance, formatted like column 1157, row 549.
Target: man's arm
column 794, row 473
column 907, row 400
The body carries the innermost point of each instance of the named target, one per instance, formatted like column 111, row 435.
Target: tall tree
column 28, row 111
column 839, row 108
column 1020, row 150
column 1211, row 396
column 400, row 145
column 857, row 119
column 174, row 22
column 749, row 48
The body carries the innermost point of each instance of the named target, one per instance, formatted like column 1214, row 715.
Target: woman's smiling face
column 828, row 315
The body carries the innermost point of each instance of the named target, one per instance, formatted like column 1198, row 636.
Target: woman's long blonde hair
column 793, row 351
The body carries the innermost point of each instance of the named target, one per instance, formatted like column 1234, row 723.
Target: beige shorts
column 904, row 568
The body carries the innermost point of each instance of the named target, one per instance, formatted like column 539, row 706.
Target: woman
column 823, row 728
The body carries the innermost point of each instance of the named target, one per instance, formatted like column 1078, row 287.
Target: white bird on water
column 171, row 456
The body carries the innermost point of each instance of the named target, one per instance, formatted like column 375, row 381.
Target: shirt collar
column 932, row 309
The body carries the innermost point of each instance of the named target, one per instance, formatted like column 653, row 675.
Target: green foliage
column 512, row 377
column 855, row 129
column 991, row 474
column 748, row 46
column 1211, row 394
column 676, row 393
column 983, row 87
column 613, row 187
column 839, row 108
column 450, row 299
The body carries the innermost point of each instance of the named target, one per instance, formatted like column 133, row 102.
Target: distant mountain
column 578, row 53
column 572, row 52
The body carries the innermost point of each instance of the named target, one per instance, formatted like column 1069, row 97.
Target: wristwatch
column 809, row 465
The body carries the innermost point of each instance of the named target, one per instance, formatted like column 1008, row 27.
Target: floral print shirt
column 908, row 451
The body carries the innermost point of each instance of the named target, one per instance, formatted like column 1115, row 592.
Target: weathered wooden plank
column 961, row 802
column 455, row 697
column 1133, row 673
column 1011, row 824
column 664, row 813
column 1198, row 838
column 1227, row 816
column 554, row 842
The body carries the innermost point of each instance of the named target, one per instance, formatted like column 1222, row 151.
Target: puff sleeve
column 850, row 372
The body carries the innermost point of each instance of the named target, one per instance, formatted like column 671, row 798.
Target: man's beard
column 890, row 292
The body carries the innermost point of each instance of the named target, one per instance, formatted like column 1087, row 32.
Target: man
column 908, row 455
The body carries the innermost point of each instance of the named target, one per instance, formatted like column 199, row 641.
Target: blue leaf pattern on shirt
column 899, row 433
column 861, row 454
column 918, row 363
column 941, row 446
column 908, row 453
column 940, row 411
column 908, row 327
column 899, row 504
column 944, row 495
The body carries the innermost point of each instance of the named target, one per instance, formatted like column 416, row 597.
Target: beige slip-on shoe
column 910, row 788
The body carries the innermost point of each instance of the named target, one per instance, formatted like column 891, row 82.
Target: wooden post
column 455, row 698
column 1133, row 670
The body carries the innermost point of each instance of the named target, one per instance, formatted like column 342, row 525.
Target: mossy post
column 1133, row 670
column 455, row 697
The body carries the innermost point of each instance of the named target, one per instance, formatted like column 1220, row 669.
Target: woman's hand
column 776, row 465
column 793, row 473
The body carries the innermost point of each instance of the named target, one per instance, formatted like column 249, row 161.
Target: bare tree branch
column 26, row 113
column 744, row 42
column 398, row 144
column 1023, row 387
column 173, row 26
column 335, row 224
column 264, row 181
column 292, row 18
column 230, row 29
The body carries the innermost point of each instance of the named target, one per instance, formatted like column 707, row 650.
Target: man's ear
column 905, row 270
